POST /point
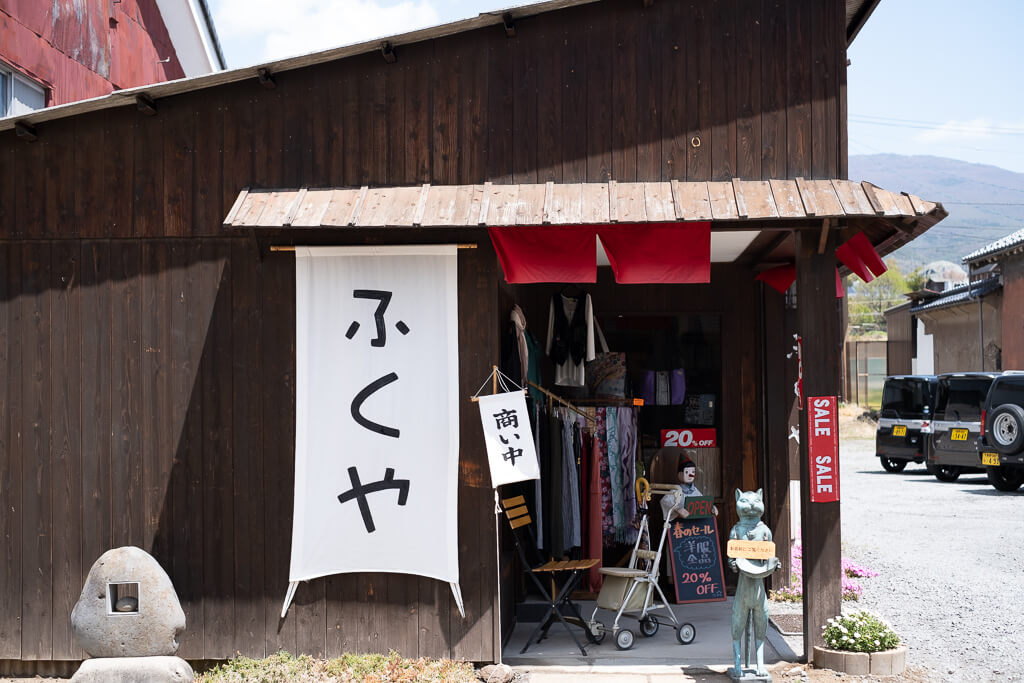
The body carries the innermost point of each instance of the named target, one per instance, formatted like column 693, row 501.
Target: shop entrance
column 642, row 394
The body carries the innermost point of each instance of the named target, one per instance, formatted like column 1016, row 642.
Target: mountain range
column 984, row 202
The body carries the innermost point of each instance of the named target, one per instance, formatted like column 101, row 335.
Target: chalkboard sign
column 696, row 560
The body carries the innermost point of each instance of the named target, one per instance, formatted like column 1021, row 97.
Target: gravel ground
column 950, row 559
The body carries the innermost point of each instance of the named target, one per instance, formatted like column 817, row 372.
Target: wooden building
column 147, row 336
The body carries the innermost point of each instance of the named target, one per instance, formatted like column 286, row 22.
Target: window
column 18, row 95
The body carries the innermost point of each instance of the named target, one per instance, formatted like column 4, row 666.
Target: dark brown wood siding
column 899, row 345
column 149, row 400
column 147, row 356
column 695, row 91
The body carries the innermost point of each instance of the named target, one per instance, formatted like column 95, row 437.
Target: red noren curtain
column 547, row 253
column 658, row 252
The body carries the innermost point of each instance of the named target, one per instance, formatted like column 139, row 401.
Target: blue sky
column 940, row 77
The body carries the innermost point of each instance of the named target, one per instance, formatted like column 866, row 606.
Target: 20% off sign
column 689, row 438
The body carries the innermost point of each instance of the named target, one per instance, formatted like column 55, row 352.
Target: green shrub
column 859, row 632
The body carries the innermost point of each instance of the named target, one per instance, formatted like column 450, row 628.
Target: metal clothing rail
column 555, row 397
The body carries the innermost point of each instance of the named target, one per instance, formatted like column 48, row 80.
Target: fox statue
column 751, row 600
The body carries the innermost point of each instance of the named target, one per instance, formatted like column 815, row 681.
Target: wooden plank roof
column 581, row 203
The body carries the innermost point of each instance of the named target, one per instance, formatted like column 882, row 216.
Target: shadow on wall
column 148, row 400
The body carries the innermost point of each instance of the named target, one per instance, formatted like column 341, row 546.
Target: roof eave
column 856, row 23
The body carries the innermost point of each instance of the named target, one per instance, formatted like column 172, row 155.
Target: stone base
column 749, row 676
column 134, row 670
column 885, row 663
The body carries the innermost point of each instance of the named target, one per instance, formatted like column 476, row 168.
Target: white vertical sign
column 377, row 415
column 510, row 450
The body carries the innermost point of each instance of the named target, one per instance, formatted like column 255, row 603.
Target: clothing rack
column 607, row 402
column 555, row 397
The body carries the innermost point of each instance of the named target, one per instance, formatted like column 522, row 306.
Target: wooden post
column 818, row 325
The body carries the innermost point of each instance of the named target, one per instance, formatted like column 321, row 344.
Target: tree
column 869, row 301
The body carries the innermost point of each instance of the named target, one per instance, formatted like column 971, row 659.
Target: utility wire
column 934, row 125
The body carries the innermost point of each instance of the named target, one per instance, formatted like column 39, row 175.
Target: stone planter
column 884, row 663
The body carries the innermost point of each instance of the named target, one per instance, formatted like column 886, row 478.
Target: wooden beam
column 818, row 322
column 388, row 52
column 26, row 131
column 266, row 78
column 145, row 104
column 824, row 235
column 510, row 25
column 764, row 252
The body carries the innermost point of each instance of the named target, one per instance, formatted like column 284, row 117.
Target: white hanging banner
column 377, row 412
column 508, row 437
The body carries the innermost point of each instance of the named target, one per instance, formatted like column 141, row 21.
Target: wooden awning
column 760, row 207
column 575, row 203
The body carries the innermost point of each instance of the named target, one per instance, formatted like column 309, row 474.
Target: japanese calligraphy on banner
column 823, row 448
column 509, row 440
column 377, row 414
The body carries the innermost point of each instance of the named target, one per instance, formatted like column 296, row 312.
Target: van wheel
column 1005, row 479
column 946, row 473
column 1006, row 428
column 891, row 465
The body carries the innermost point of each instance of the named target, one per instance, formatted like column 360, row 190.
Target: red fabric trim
column 866, row 251
column 851, row 259
column 779, row 278
column 546, row 253
column 658, row 253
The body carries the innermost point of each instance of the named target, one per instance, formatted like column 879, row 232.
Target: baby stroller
column 631, row 590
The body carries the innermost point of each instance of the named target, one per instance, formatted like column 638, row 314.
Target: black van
column 1002, row 439
column 957, row 424
column 908, row 402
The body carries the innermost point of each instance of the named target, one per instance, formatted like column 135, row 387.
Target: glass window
column 26, row 97
column 19, row 95
column 1008, row 391
column 962, row 398
column 905, row 398
column 5, row 88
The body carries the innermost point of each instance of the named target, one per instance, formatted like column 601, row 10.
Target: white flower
column 877, row 642
column 856, row 634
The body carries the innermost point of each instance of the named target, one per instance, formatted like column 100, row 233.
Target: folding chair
column 572, row 571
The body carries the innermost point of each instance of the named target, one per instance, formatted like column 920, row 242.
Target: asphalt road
column 950, row 559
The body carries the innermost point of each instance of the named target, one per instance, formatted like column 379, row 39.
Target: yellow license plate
column 899, row 430
column 958, row 435
column 990, row 459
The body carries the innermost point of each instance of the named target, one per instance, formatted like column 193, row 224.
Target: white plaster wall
column 924, row 362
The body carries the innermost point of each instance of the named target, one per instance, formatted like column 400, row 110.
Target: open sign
column 689, row 438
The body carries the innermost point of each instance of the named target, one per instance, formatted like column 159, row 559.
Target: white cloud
column 267, row 31
column 976, row 129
